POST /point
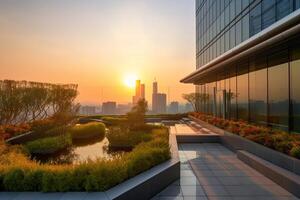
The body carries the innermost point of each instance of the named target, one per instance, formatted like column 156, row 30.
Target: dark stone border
column 284, row 178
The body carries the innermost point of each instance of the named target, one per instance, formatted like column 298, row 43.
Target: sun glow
column 129, row 80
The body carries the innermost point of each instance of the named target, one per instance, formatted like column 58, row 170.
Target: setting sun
column 129, row 80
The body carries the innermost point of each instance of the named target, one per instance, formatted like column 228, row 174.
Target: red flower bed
column 275, row 139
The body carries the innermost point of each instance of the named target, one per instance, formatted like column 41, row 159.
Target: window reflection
column 295, row 88
column 278, row 87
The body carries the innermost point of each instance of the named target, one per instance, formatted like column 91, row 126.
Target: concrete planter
column 236, row 142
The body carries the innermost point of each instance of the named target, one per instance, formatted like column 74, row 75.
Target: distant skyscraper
column 143, row 91
column 174, row 107
column 155, row 89
column 159, row 100
column 87, row 110
column 161, row 103
column 139, row 92
column 109, row 108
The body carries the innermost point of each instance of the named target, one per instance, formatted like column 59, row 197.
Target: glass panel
column 255, row 20
column 268, row 13
column 238, row 32
column 227, row 41
column 232, row 97
column 278, row 91
column 242, row 96
column 295, row 89
column 297, row 4
column 238, row 6
column 258, row 96
column 232, row 37
column 232, row 9
column 283, row 8
column 245, row 27
column 245, row 3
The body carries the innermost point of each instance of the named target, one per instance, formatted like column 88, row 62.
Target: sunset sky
column 97, row 43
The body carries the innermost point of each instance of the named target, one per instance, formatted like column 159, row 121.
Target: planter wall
column 235, row 143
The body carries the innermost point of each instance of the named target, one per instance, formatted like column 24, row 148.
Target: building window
column 283, row 8
column 242, row 92
column 255, row 20
column 227, row 41
column 245, row 27
column 278, row 90
column 232, row 9
column 268, row 13
column 238, row 32
column 232, row 96
column 295, row 89
column 232, row 37
column 258, row 91
column 297, row 4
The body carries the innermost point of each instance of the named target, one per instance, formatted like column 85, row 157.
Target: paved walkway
column 211, row 171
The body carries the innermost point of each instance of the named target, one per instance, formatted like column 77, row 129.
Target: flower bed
column 275, row 139
column 19, row 173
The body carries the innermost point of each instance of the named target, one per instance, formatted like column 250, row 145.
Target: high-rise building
column 161, row 103
column 139, row 92
column 174, row 107
column 143, row 91
column 109, row 108
column 159, row 100
column 248, row 61
column 87, row 110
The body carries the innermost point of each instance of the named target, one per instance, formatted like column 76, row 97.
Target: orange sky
column 96, row 43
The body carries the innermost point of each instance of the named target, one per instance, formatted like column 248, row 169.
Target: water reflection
column 82, row 151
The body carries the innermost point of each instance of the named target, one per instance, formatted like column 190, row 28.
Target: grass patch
column 87, row 131
column 49, row 145
column 19, row 173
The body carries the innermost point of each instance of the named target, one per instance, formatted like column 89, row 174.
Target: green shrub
column 48, row 182
column 14, row 180
column 86, row 131
column 114, row 121
column 49, row 145
column 33, row 180
column 123, row 137
column 1, row 181
column 295, row 151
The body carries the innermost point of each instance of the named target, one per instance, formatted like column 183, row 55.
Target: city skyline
column 75, row 43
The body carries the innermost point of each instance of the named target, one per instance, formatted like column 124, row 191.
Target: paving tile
column 188, row 173
column 192, row 190
column 171, row 198
column 209, row 181
column 195, row 198
column 215, row 190
column 189, row 181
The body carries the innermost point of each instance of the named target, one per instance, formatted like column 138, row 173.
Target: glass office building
column 248, row 61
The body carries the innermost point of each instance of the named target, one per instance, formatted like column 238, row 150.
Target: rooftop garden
column 275, row 139
column 44, row 156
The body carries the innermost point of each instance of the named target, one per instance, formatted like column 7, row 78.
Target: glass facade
column 262, row 87
column 224, row 24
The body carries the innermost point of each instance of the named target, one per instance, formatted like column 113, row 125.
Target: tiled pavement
column 211, row 171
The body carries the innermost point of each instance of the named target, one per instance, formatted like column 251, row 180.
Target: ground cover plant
column 88, row 130
column 19, row 173
column 49, row 145
column 275, row 139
